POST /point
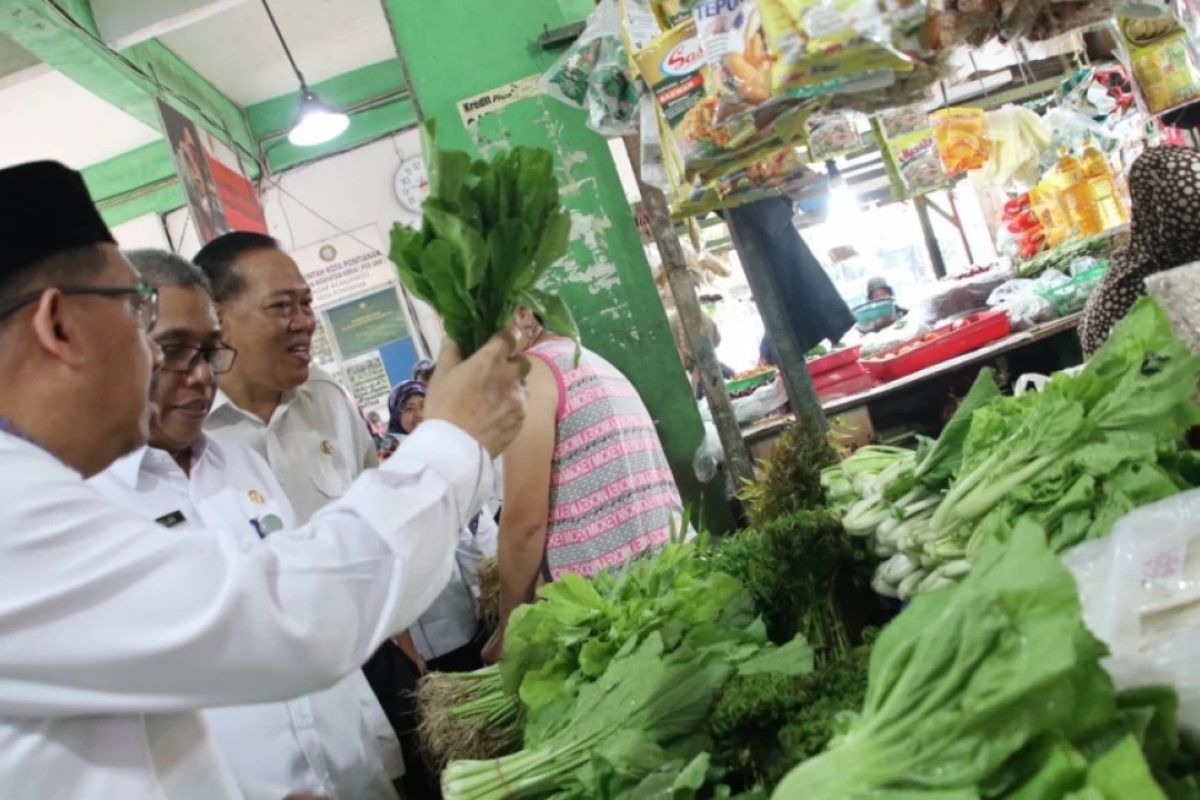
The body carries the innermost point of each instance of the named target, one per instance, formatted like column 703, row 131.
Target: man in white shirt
column 298, row 419
column 322, row 743
column 112, row 635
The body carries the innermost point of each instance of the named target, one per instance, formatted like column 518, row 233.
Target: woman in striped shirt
column 587, row 486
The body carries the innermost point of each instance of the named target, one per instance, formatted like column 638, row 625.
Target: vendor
column 1164, row 185
column 879, row 289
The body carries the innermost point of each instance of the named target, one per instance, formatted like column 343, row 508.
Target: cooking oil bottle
column 1077, row 194
column 1047, row 204
column 1099, row 175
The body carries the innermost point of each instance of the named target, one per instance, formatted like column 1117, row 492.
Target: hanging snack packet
column 818, row 48
column 911, row 148
column 673, row 67
column 672, row 12
column 915, row 157
column 962, row 141
column 1162, row 61
column 639, row 27
column 830, row 135
column 735, row 50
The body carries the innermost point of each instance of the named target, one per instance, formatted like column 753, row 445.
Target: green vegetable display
column 1071, row 460
column 967, row 678
column 790, row 478
column 489, row 232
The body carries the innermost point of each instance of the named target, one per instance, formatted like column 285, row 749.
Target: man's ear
column 55, row 331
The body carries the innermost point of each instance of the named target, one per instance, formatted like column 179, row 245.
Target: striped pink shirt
column 612, row 495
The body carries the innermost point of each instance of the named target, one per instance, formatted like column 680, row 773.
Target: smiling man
column 320, row 744
column 299, row 420
column 295, row 416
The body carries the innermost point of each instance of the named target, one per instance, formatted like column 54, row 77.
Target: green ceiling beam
column 365, row 126
column 358, row 88
column 132, row 80
column 156, row 199
column 147, row 165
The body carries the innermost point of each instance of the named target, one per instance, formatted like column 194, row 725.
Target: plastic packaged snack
column 735, row 50
column 819, row 48
column 1163, row 62
column 671, row 12
column 912, row 151
column 962, row 140
column 830, row 135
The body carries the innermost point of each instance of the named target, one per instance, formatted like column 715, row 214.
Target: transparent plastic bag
column 594, row 75
column 1140, row 589
column 1025, row 306
column 709, row 455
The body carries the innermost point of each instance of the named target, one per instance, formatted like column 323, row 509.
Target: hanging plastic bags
column 594, row 75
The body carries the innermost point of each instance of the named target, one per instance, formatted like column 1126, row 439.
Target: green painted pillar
column 460, row 49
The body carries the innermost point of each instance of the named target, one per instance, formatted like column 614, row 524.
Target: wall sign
column 472, row 108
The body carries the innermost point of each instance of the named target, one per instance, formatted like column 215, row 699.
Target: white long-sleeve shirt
column 315, row 441
column 112, row 635
column 323, row 743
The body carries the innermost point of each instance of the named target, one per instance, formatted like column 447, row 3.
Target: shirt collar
column 9, row 427
column 222, row 401
column 129, row 469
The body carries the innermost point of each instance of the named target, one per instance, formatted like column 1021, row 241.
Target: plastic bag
column 594, row 75
column 1025, row 306
column 709, row 455
column 1140, row 589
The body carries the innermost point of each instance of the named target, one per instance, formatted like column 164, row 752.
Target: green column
column 459, row 49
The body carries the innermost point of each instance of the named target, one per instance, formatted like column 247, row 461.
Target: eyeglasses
column 185, row 358
column 143, row 298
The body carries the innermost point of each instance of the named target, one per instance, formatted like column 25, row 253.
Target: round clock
column 412, row 185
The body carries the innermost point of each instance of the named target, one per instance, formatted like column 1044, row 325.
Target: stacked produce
column 1070, row 460
column 606, row 684
column 993, row 688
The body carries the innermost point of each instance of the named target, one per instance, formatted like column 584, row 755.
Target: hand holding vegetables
column 483, row 395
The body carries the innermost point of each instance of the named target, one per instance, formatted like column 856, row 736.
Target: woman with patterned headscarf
column 1164, row 185
column 406, row 407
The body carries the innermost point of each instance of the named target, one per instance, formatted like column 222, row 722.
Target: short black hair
column 163, row 268
column 219, row 260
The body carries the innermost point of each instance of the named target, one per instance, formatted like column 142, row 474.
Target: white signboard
column 367, row 379
column 346, row 266
column 472, row 108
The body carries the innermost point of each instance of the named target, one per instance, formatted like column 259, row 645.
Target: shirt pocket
column 322, row 461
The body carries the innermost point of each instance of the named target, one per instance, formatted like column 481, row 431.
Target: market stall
column 1002, row 142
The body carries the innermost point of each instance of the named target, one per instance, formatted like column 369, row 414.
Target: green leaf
column 555, row 314
column 552, row 246
column 472, row 249
column 793, row 658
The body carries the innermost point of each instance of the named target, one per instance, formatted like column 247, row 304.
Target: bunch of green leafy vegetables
column 617, row 677
column 793, row 566
column 789, row 479
column 489, row 232
column 1071, row 460
column 971, row 680
column 763, row 725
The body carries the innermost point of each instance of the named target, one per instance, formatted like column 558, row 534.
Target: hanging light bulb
column 316, row 123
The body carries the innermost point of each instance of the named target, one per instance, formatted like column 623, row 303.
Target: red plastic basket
column 826, row 379
column 859, row 383
column 835, row 360
column 941, row 344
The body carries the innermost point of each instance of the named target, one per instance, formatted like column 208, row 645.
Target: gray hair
column 162, row 268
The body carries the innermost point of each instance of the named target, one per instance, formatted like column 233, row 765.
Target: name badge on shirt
column 171, row 520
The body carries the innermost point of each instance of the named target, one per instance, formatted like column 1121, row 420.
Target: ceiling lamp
column 317, row 122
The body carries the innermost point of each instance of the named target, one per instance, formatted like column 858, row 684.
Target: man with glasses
column 321, row 743
column 113, row 632
column 299, row 419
